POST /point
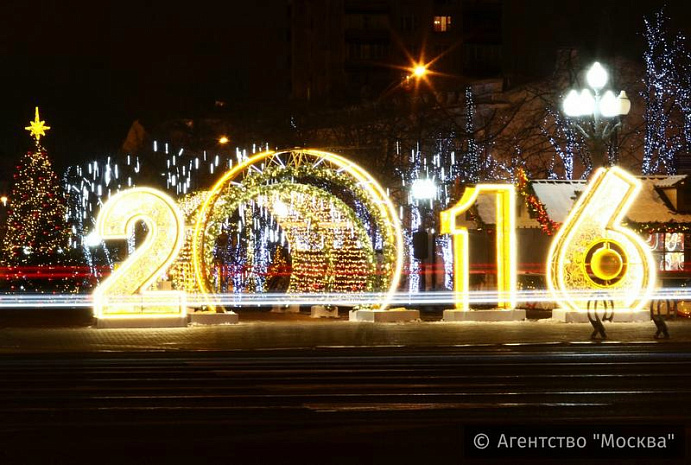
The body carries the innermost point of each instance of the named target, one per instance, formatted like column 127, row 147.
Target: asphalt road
column 32, row 331
column 327, row 405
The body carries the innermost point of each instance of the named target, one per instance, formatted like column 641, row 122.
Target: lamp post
column 424, row 190
column 599, row 111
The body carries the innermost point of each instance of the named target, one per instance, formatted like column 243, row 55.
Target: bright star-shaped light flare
column 37, row 128
column 419, row 71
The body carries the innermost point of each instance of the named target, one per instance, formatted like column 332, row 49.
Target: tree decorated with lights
column 473, row 154
column 36, row 246
column 667, row 96
column 565, row 141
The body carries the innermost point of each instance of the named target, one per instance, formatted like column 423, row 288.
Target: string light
column 535, row 206
column 667, row 97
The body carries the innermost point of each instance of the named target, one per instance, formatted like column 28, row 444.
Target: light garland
column 535, row 206
column 649, row 228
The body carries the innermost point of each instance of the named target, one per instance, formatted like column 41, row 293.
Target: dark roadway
column 281, row 390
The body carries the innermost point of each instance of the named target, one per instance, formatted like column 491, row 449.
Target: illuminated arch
column 317, row 163
column 303, row 220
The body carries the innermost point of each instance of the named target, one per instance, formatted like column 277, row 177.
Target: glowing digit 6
column 506, row 243
column 164, row 221
column 593, row 257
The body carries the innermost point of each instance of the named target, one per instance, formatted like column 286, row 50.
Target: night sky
column 94, row 67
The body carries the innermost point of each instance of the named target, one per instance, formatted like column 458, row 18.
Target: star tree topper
column 37, row 128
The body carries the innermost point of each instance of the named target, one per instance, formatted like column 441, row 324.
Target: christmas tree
column 278, row 273
column 36, row 245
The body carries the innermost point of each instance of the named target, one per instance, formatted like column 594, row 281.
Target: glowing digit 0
column 593, row 257
column 506, row 243
column 115, row 297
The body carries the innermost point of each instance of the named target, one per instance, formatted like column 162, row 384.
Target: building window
column 668, row 250
column 408, row 23
column 482, row 57
column 366, row 22
column 366, row 51
column 442, row 23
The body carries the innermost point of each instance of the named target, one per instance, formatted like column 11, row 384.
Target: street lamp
column 93, row 239
column 601, row 111
column 416, row 73
column 423, row 189
column 419, row 71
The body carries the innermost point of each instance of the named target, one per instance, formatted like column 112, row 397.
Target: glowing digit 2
column 125, row 293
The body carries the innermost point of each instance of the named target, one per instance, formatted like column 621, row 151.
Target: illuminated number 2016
column 506, row 243
column 593, row 257
column 126, row 291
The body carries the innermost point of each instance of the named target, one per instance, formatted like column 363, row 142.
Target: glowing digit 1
column 593, row 257
column 125, row 293
column 506, row 243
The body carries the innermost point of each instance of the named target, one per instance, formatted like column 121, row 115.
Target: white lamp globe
column 280, row 209
column 571, row 104
column 93, row 239
column 624, row 103
column 586, row 103
column 609, row 105
column 596, row 76
column 424, row 189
